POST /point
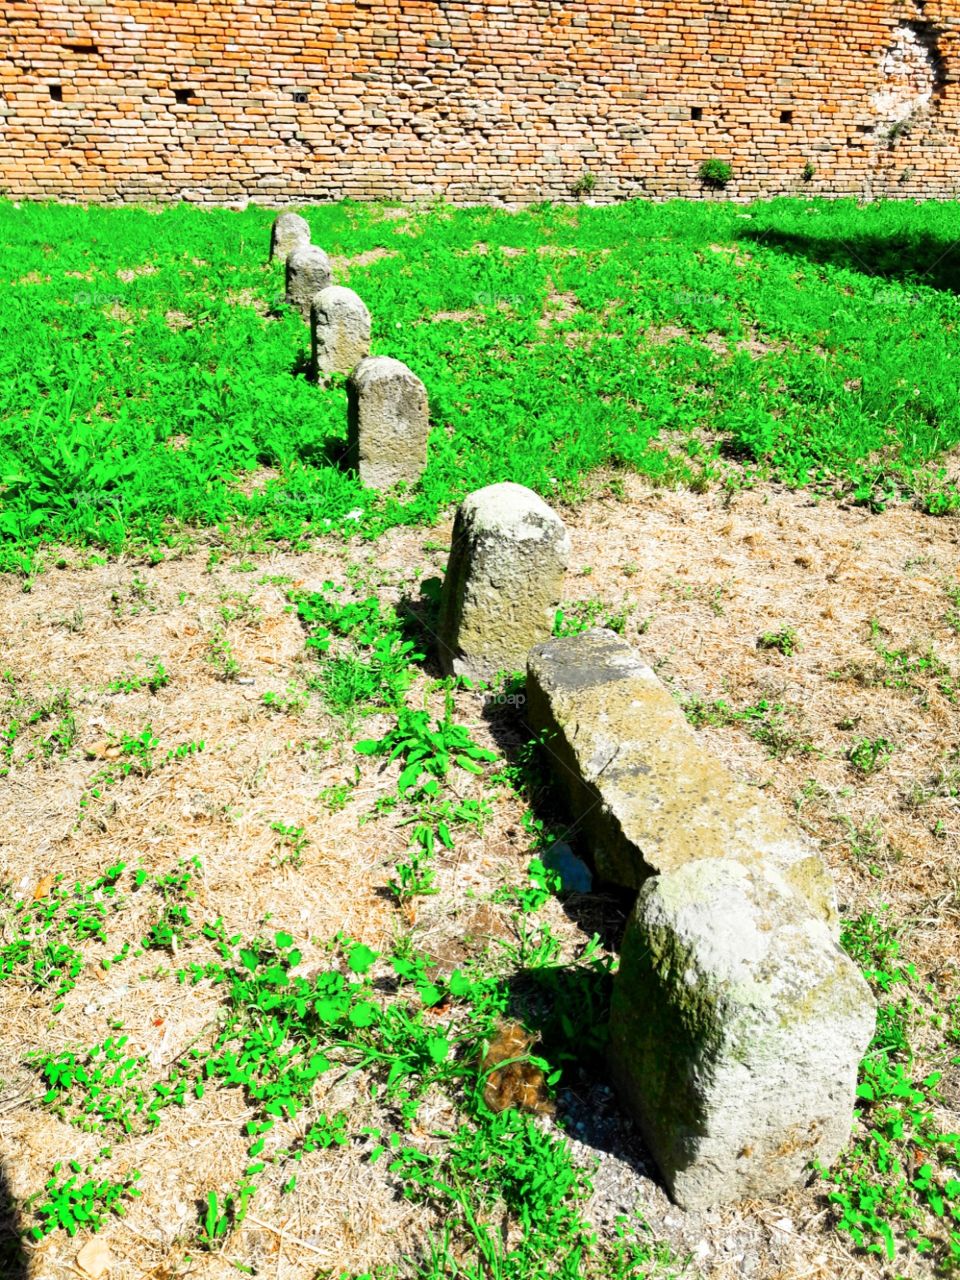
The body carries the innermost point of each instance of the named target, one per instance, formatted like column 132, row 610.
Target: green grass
column 895, row 1189
column 120, row 428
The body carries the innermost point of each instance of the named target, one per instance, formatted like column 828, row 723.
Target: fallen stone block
column 736, row 1028
column 339, row 331
column 308, row 271
column 737, row 1022
column 289, row 231
column 388, row 422
column 645, row 795
column 502, row 586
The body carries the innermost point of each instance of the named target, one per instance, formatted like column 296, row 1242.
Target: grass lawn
column 143, row 375
column 273, row 915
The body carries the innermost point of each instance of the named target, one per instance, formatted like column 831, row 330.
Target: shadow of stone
column 331, row 451
column 418, row 617
column 302, row 366
column 568, row 1007
column 604, row 911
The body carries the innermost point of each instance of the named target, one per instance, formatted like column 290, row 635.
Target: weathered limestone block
column 736, row 1028
column 388, row 422
column 290, row 231
column 502, row 586
column 646, row 796
column 308, row 271
column 737, row 1023
column 339, row 331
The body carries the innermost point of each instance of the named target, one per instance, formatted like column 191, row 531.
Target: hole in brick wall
column 696, row 113
column 786, row 117
column 56, row 92
column 928, row 37
column 183, row 96
column 300, row 95
column 913, row 79
column 80, row 46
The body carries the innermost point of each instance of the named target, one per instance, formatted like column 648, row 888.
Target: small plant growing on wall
column 715, row 173
column 584, row 184
column 809, row 171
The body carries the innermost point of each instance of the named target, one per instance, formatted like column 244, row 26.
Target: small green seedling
column 870, row 754
column 783, row 641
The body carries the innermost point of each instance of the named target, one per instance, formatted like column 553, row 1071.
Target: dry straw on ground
column 695, row 580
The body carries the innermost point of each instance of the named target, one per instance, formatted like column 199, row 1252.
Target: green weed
column 896, row 1190
column 291, row 702
column 291, row 844
column 76, row 1206
column 581, row 615
column 766, row 722
column 220, row 655
column 783, row 641
column 952, row 616
column 867, row 755
column 157, row 680
column 426, row 752
column 715, row 172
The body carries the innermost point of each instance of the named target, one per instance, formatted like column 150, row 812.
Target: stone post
column 388, row 423
column 503, row 581
column 308, row 271
column 339, row 331
column 289, row 232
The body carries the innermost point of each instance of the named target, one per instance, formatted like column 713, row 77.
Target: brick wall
column 292, row 100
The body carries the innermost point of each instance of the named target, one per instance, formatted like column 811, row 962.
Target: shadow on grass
column 331, row 451
column 302, row 366
column 910, row 259
column 602, row 912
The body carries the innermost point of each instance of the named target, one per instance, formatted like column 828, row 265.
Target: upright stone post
column 503, row 581
column 388, row 422
column 308, row 271
column 339, row 331
column 289, row 232
column 737, row 1023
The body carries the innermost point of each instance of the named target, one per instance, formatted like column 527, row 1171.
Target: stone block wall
column 288, row 101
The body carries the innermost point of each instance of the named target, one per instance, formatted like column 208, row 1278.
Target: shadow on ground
column 14, row 1264
column 918, row 259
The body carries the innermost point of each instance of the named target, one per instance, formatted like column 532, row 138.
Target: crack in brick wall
column 294, row 100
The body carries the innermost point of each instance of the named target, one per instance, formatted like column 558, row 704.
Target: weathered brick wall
column 296, row 100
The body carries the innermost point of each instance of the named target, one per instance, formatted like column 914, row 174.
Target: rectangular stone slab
column 736, row 1028
column 645, row 796
column 737, row 1023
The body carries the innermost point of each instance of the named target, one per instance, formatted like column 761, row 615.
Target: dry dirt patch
column 694, row 581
